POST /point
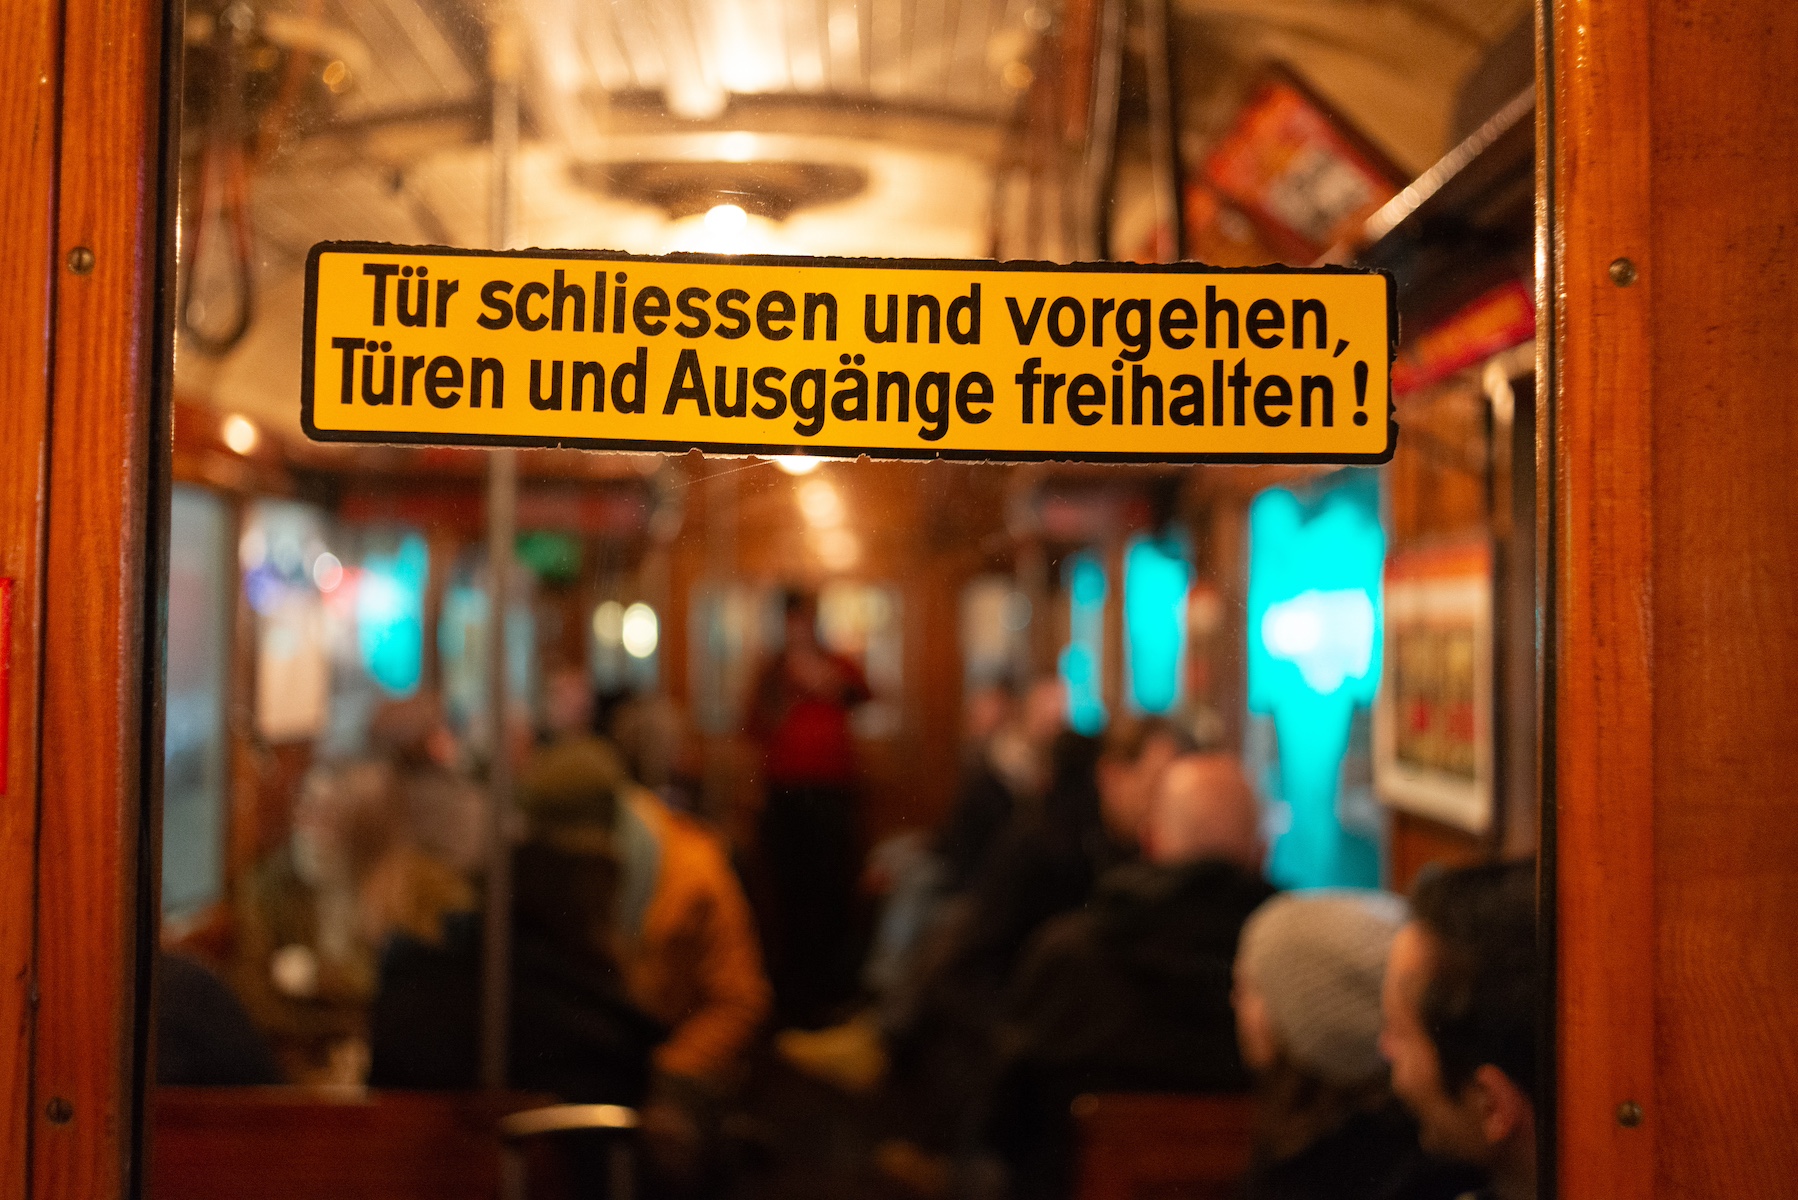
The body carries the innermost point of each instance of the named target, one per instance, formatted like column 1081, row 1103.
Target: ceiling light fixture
column 240, row 433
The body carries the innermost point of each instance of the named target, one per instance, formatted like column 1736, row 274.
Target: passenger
column 204, row 1038
column 574, row 1031
column 683, row 934
column 810, row 834
column 1136, row 753
column 444, row 810
column 312, row 916
column 1133, row 992
column 1044, row 866
column 1307, row 998
column 923, row 883
column 1006, row 771
column 1461, row 1001
column 661, row 751
column 1091, row 821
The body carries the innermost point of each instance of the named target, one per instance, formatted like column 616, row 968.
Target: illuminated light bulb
column 726, row 221
column 327, row 572
column 798, row 464
column 639, row 630
column 608, row 623
column 240, row 433
column 736, row 147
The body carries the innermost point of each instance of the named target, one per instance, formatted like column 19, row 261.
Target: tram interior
column 985, row 660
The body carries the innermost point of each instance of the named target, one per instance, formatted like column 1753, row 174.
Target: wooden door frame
column 83, row 482
column 84, row 261
column 1594, row 531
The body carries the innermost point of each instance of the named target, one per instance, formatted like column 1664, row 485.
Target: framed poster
column 1301, row 172
column 1433, row 752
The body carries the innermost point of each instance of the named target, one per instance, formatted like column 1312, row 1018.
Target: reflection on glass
column 193, row 780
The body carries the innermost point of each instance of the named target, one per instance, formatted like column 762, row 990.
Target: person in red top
column 810, row 827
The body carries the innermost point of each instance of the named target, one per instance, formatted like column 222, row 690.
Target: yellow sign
column 840, row 357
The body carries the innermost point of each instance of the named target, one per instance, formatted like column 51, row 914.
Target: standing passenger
column 810, row 826
column 1461, row 998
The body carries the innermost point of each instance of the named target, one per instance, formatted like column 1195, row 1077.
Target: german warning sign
column 890, row 358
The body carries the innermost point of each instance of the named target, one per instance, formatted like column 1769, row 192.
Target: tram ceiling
column 1391, row 67
column 858, row 128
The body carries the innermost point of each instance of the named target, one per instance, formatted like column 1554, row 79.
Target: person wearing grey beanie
column 1308, row 975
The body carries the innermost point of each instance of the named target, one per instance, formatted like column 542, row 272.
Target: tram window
column 1157, row 583
column 805, row 722
column 995, row 619
column 289, row 577
column 194, row 746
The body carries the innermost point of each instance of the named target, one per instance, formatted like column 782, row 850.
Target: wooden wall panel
column 1723, row 306
column 28, row 82
column 1676, row 548
column 84, row 1144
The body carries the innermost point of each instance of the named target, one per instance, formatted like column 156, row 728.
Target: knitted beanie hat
column 1318, row 958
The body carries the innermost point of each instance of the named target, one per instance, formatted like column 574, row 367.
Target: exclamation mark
column 1361, row 393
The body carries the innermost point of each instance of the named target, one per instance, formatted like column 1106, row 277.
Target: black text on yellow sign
column 842, row 357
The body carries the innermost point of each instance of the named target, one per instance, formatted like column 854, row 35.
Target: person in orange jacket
column 680, row 926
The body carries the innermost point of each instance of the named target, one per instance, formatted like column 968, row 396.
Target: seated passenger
column 1133, row 992
column 1307, row 998
column 683, row 936
column 1135, row 753
column 444, row 809
column 681, row 926
column 204, row 1038
column 1090, row 820
column 1005, row 774
column 1461, row 999
column 312, row 916
column 573, row 1030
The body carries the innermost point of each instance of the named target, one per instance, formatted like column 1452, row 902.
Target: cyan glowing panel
column 1314, row 635
column 1083, row 658
column 390, row 615
column 1156, row 582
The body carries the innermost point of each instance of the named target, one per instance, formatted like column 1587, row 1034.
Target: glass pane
column 845, row 818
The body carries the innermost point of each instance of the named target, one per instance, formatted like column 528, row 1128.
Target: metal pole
column 1162, row 155
column 502, row 506
column 1101, row 138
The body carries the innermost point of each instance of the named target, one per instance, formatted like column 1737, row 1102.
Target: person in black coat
column 573, row 1030
column 1133, row 993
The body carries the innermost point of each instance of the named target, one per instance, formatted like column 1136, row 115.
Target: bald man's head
column 1204, row 808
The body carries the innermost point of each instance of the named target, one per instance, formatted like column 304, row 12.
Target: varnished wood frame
column 29, row 69
column 92, row 367
column 1594, row 504
column 1646, row 936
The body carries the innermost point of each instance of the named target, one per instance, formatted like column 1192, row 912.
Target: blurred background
column 1359, row 641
